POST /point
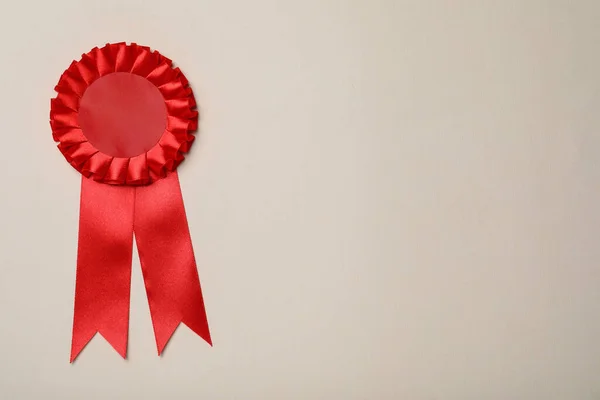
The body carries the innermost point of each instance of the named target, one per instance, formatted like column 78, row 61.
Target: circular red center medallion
column 122, row 114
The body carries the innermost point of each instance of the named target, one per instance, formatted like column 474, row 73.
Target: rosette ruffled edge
column 156, row 163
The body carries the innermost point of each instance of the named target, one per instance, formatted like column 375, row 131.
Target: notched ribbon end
column 78, row 345
column 162, row 339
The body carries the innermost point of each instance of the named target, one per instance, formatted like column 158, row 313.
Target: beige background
column 388, row 200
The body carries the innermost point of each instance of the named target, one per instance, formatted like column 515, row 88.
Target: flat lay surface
column 387, row 200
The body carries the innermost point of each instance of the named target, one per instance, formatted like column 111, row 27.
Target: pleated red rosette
column 124, row 118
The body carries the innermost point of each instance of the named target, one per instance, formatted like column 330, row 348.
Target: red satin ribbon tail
column 103, row 280
column 168, row 263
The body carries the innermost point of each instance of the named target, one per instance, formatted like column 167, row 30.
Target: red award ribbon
column 123, row 118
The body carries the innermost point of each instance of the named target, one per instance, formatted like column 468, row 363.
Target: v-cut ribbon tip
column 163, row 339
column 118, row 344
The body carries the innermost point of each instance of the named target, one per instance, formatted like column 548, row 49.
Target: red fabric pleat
column 103, row 265
column 167, row 258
